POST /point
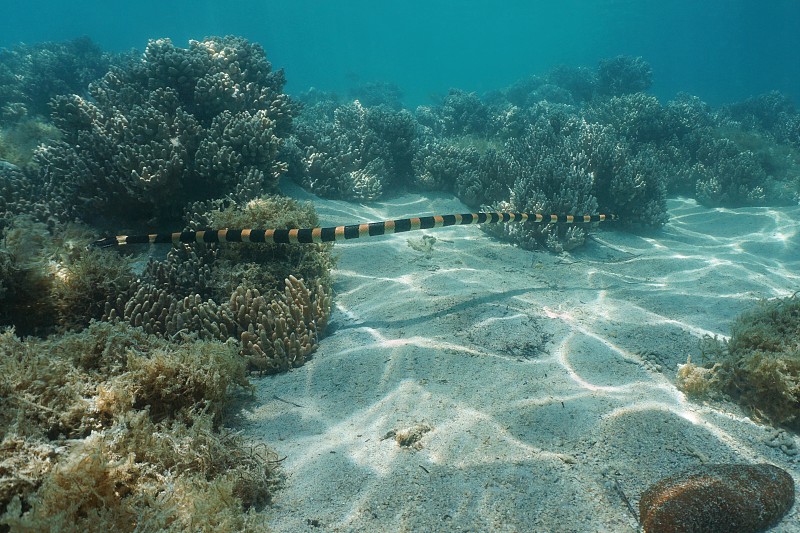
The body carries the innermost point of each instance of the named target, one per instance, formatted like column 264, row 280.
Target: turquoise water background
column 719, row 50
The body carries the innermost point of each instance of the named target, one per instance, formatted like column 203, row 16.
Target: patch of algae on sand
column 112, row 429
column 759, row 366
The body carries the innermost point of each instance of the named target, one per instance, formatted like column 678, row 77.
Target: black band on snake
column 352, row 231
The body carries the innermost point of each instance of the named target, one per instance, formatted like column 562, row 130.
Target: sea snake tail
column 352, row 231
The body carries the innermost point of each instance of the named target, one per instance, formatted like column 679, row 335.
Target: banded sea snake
column 352, row 231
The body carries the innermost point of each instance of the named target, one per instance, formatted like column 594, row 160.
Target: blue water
column 720, row 50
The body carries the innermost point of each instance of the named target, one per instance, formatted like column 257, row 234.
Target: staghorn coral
column 488, row 180
column 580, row 82
column 772, row 114
column 635, row 150
column 518, row 94
column 439, row 164
column 551, row 174
column 459, row 114
column 563, row 84
column 636, row 191
column 736, row 167
column 638, row 117
column 732, row 181
column 562, row 161
column 463, row 113
column 178, row 125
column 18, row 195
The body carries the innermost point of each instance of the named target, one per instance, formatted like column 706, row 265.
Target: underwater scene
column 421, row 267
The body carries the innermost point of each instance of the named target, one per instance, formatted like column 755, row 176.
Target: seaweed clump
column 114, row 429
column 51, row 282
column 759, row 366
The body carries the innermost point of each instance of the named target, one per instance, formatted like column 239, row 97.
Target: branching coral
column 597, row 129
column 773, row 114
column 567, row 165
column 358, row 155
column 439, row 164
column 251, row 293
column 176, row 126
column 639, row 118
column 30, row 75
column 377, row 93
column 623, row 75
column 278, row 330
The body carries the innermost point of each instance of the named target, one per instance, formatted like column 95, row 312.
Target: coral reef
column 463, row 113
column 358, row 155
column 19, row 195
column 439, row 164
column 30, row 75
column 377, row 93
column 722, row 162
column 569, row 140
column 567, row 165
column 117, row 421
column 759, row 366
column 562, row 85
column 623, row 75
column 177, row 126
column 718, row 499
column 20, row 138
column 772, row 114
column 247, row 292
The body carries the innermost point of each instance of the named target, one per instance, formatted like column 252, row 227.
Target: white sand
column 547, row 380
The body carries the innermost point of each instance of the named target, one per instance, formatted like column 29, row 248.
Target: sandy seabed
column 530, row 391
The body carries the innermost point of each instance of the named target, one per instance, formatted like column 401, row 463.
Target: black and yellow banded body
column 352, row 231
